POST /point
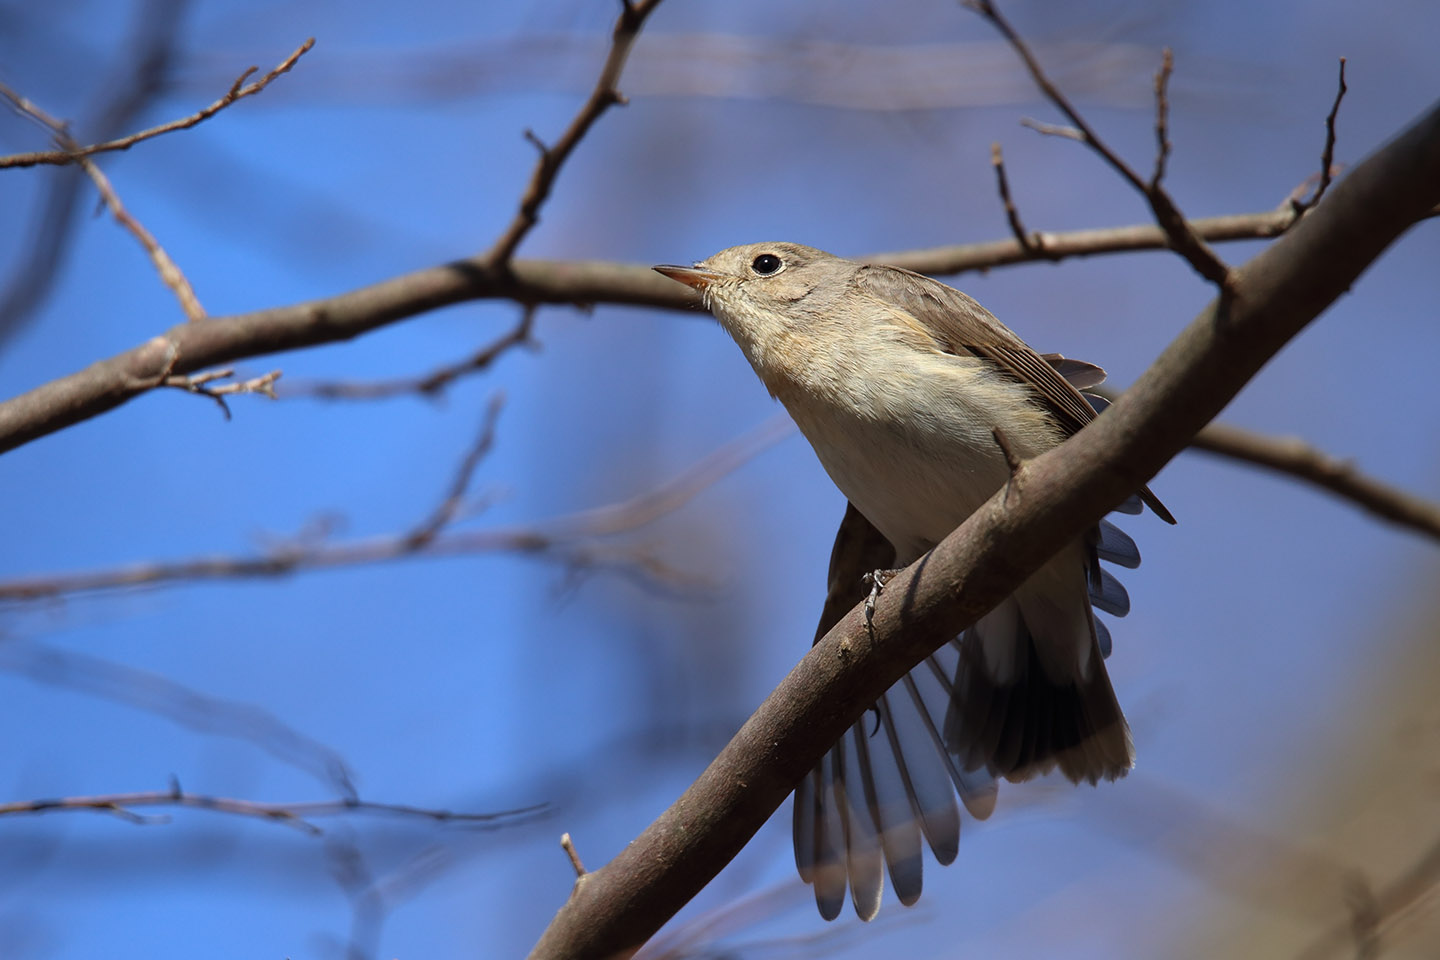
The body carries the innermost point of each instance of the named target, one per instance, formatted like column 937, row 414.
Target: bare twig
column 1031, row 244
column 1299, row 460
column 1295, row 458
column 571, row 541
column 568, row 846
column 1054, row 129
column 1183, row 238
column 605, row 95
column 204, row 385
column 431, row 384
column 1013, row 461
column 296, row 815
column 1162, row 117
column 1327, row 153
column 147, row 59
column 74, row 152
column 425, row 534
column 170, row 274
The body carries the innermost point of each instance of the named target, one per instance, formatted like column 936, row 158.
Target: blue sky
column 1260, row 624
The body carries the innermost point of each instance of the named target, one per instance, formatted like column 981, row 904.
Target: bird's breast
column 909, row 438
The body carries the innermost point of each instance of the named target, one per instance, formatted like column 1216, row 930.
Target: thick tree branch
column 190, row 348
column 1270, row 299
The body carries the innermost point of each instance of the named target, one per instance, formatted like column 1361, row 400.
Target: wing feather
column 961, row 326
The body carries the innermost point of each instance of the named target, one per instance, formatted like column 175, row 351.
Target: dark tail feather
column 1031, row 724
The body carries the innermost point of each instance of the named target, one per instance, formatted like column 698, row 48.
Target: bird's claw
column 876, row 580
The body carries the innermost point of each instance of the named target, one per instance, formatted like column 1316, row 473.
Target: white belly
column 915, row 452
column 914, row 449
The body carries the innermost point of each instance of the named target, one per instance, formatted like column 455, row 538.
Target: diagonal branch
column 1294, row 457
column 605, row 95
column 148, row 57
column 185, row 706
column 429, row 385
column 1299, row 460
column 449, row 508
column 1375, row 915
column 1273, row 297
column 170, row 274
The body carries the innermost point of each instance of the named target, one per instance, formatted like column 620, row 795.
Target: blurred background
column 1280, row 667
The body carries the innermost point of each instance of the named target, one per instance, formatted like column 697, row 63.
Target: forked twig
column 1183, row 238
column 74, row 152
column 605, row 95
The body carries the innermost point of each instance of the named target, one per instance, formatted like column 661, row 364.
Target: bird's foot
column 876, row 580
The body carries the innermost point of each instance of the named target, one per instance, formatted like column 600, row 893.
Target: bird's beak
column 691, row 277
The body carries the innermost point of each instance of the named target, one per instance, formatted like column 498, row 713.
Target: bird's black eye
column 765, row 264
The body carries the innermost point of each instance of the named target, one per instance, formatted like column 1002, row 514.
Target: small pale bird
column 900, row 383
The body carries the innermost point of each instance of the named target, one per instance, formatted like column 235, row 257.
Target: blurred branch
column 187, row 348
column 1294, row 457
column 372, row 898
column 147, row 69
column 74, row 152
column 1299, row 460
column 298, row 815
column 570, row 541
column 429, row 385
column 1375, row 915
column 164, row 697
column 1182, row 236
column 449, row 508
column 605, row 95
column 797, row 68
column 1049, row 503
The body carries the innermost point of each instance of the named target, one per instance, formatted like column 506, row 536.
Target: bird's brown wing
column 961, row 326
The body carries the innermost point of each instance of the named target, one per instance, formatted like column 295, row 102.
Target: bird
column 916, row 399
